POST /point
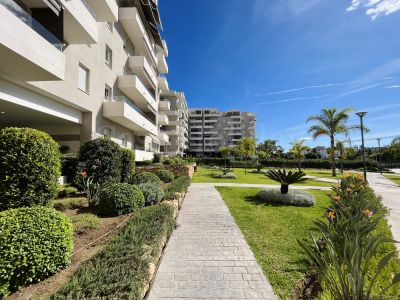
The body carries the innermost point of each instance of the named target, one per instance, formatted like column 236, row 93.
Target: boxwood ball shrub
column 153, row 193
column 165, row 175
column 29, row 168
column 293, row 197
column 35, row 242
column 144, row 178
column 127, row 165
column 101, row 160
column 120, row 199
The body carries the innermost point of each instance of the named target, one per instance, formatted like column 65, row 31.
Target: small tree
column 269, row 146
column 297, row 150
column 342, row 153
column 247, row 148
column 225, row 151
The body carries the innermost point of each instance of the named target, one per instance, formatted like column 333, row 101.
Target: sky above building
column 287, row 59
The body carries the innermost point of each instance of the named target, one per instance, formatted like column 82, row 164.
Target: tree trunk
column 299, row 164
column 333, row 156
column 341, row 164
column 284, row 188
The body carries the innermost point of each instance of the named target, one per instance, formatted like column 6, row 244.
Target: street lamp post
column 380, row 154
column 361, row 115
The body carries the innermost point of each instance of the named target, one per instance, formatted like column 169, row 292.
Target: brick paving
column 207, row 256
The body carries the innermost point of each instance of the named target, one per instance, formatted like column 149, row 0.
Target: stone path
column 207, row 257
column 390, row 193
column 329, row 180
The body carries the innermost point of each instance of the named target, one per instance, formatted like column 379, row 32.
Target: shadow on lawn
column 254, row 199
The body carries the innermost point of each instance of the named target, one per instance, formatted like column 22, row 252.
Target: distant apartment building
column 211, row 129
column 81, row 69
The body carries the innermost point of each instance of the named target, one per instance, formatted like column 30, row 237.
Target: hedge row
column 179, row 185
column 280, row 163
column 121, row 269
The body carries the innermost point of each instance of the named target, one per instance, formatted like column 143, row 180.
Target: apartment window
column 107, row 133
column 125, row 140
column 108, row 56
column 83, row 77
column 107, row 92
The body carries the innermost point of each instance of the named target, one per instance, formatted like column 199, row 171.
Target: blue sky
column 288, row 59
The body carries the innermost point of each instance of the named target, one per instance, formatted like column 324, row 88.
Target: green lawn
column 394, row 178
column 272, row 233
column 204, row 174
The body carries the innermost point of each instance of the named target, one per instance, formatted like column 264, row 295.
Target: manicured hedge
column 101, row 160
column 145, row 177
column 120, row 199
column 29, row 168
column 35, row 242
column 121, row 269
column 127, row 165
column 179, row 185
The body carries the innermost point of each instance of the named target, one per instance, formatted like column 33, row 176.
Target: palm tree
column 331, row 122
column 342, row 152
column 298, row 149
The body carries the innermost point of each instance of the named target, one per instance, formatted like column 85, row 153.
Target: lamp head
column 361, row 114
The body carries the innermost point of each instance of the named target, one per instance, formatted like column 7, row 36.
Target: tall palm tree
column 331, row 122
column 298, row 149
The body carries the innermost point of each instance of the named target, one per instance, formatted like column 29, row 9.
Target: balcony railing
column 16, row 10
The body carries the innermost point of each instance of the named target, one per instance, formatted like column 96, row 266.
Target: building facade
column 211, row 129
column 81, row 69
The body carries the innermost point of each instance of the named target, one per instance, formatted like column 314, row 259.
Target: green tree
column 342, row 153
column 247, row 149
column 331, row 122
column 297, row 150
column 269, row 146
column 262, row 155
column 225, row 151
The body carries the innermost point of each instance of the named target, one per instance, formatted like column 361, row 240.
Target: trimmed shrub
column 69, row 166
column 225, row 176
column 29, row 168
column 144, row 178
column 34, row 243
column 179, row 185
column 121, row 269
column 101, row 160
column 293, row 197
column 165, row 175
column 127, row 165
column 153, row 193
column 120, row 199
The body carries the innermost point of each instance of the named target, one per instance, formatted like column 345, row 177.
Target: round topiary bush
column 35, row 242
column 165, row 175
column 101, row 160
column 120, row 199
column 153, row 193
column 29, row 168
column 145, row 177
column 293, row 197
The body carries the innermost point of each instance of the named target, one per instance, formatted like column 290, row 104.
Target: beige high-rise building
column 210, row 129
column 81, row 69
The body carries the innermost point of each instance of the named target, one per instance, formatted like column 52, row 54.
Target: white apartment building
column 81, row 69
column 211, row 129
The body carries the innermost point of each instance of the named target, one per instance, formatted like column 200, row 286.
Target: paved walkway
column 207, row 257
column 390, row 193
column 329, row 180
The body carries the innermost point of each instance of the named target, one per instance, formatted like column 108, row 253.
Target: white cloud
column 295, row 99
column 392, row 87
column 376, row 8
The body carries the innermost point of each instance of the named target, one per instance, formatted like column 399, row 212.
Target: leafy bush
column 174, row 161
column 165, row 175
column 225, row 176
column 179, row 185
column 285, row 179
column 121, row 269
column 83, row 222
column 293, row 197
column 35, row 242
column 70, row 203
column 69, row 166
column 66, row 191
column 153, row 193
column 144, row 178
column 29, row 168
column 101, row 160
column 120, row 199
column 127, row 165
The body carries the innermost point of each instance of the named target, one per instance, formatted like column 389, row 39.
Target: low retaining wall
column 184, row 170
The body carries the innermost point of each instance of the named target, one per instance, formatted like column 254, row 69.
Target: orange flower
column 368, row 213
column 84, row 174
column 337, row 198
column 331, row 215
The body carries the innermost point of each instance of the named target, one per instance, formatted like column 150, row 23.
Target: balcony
column 80, row 27
column 234, row 122
column 162, row 63
column 122, row 111
column 234, row 133
column 163, row 137
column 163, row 120
column 28, row 51
column 163, row 83
column 195, row 121
column 130, row 19
column 172, row 132
column 164, row 105
column 133, row 87
column 196, row 138
column 140, row 66
column 141, row 155
column 105, row 10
